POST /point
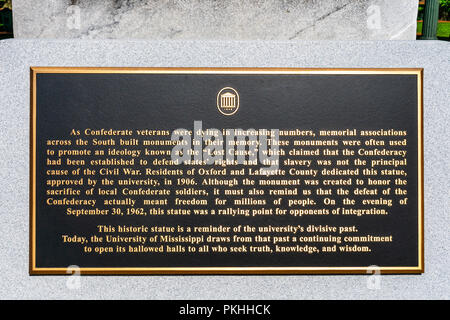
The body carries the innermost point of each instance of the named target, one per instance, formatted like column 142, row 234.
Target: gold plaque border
column 33, row 270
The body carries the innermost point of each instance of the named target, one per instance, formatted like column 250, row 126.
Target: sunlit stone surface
column 224, row 19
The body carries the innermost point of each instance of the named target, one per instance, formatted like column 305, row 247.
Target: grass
column 443, row 29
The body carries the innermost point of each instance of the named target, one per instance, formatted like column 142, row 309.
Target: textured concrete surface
column 217, row 20
column 19, row 55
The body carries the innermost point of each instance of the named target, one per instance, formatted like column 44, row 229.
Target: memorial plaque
column 241, row 170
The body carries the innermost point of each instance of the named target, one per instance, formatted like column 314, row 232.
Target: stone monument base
column 19, row 55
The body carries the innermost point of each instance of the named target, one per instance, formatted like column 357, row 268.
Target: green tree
column 444, row 9
column 6, row 5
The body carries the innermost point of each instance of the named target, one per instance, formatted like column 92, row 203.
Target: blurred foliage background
column 6, row 21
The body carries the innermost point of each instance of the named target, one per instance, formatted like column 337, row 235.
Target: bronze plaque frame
column 33, row 270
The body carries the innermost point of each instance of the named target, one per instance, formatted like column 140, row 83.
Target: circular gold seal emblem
column 228, row 101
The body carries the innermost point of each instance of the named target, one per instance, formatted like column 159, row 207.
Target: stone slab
column 18, row 55
column 217, row 20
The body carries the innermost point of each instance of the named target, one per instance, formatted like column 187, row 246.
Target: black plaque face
column 344, row 193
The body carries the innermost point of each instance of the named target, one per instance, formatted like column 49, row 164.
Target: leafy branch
column 7, row 4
